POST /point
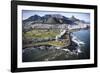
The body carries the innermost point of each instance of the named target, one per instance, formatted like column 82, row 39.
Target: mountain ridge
column 52, row 19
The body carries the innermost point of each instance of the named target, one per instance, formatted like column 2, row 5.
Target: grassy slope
column 44, row 34
column 53, row 43
column 41, row 33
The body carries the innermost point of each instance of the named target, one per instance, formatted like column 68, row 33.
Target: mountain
column 34, row 18
column 52, row 19
column 74, row 19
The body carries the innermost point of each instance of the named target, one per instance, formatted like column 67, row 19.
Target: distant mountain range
column 52, row 19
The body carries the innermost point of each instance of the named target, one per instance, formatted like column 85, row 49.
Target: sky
column 82, row 16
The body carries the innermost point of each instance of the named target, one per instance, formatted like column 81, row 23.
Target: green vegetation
column 57, row 43
column 53, row 43
column 38, row 33
column 41, row 33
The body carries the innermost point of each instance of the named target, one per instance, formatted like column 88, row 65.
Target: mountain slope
column 52, row 19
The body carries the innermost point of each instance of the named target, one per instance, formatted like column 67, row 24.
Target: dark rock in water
column 72, row 46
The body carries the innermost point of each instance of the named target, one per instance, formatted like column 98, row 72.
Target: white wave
column 58, row 47
column 76, row 40
column 79, row 50
column 66, row 50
